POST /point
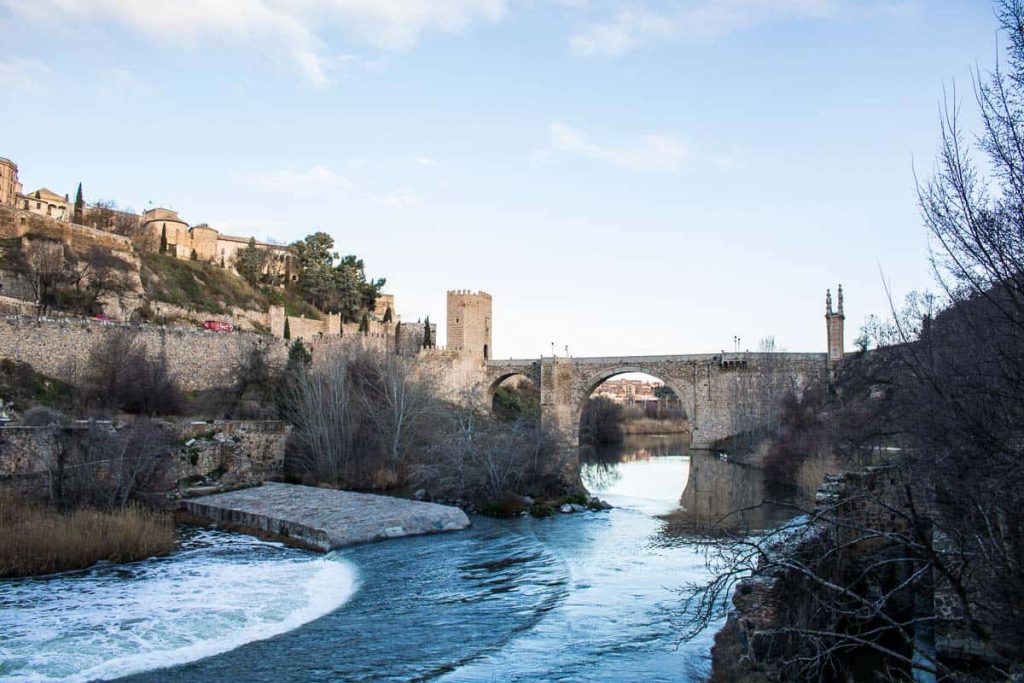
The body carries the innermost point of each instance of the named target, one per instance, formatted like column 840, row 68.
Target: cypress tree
column 388, row 315
column 79, row 205
column 427, row 340
column 163, row 240
column 194, row 256
column 398, row 337
column 287, row 329
column 364, row 324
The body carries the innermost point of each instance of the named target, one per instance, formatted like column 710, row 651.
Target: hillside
column 208, row 288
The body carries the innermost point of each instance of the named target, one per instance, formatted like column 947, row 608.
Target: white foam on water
column 118, row 621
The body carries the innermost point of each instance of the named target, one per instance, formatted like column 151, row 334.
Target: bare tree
column 944, row 547
column 321, row 408
column 400, row 402
column 106, row 467
column 45, row 264
column 123, row 374
column 105, row 214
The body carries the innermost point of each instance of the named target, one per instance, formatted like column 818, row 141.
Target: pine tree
column 287, row 329
column 364, row 324
column 163, row 240
column 427, row 339
column 79, row 205
column 388, row 316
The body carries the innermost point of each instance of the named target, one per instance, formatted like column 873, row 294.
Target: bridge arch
column 499, row 379
column 595, row 380
column 588, row 382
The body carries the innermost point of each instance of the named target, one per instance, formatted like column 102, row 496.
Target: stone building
column 45, row 202
column 208, row 244
column 469, row 323
column 10, row 188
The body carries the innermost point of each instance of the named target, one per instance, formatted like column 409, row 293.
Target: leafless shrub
column 358, row 417
column 368, row 418
column 122, row 374
column 103, row 467
column 482, row 459
column 41, row 416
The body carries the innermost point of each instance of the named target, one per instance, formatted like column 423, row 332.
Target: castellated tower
column 469, row 323
column 834, row 322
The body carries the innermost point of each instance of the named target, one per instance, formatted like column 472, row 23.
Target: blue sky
column 623, row 177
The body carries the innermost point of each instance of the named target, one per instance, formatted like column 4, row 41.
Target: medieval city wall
column 199, row 359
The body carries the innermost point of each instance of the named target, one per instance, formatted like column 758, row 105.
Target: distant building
column 10, row 188
column 629, row 391
column 208, row 244
column 45, row 202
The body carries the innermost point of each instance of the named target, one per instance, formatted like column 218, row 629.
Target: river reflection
column 694, row 491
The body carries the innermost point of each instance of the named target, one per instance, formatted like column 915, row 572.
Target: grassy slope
column 206, row 287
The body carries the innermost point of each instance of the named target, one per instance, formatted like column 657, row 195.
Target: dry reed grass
column 37, row 540
column 647, row 425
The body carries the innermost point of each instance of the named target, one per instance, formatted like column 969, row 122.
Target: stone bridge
column 722, row 394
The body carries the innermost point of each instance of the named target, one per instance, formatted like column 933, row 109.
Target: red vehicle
column 217, row 326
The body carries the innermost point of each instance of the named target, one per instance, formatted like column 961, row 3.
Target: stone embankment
column 324, row 519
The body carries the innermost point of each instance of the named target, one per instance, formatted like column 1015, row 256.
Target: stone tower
column 469, row 323
column 834, row 322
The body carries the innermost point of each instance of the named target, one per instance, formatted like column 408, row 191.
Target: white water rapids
column 222, row 591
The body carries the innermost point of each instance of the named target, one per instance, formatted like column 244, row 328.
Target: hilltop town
column 155, row 266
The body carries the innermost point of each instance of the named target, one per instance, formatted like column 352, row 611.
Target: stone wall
column 19, row 223
column 232, row 452
column 199, row 359
column 222, row 452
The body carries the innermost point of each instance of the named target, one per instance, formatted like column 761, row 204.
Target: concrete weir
column 324, row 519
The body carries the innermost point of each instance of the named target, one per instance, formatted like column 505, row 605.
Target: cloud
column 313, row 182
column 26, row 75
column 426, row 161
column 646, row 153
column 292, row 27
column 705, row 20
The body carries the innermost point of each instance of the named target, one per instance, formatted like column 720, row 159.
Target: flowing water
column 579, row 597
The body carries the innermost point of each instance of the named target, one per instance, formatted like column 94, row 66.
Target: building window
column 39, row 205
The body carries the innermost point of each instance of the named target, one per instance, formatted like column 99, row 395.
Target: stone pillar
column 559, row 415
column 834, row 324
column 277, row 321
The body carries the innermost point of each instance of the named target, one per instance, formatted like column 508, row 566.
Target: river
column 587, row 596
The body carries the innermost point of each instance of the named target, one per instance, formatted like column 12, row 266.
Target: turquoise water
column 588, row 596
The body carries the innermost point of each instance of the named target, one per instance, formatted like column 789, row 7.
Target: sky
column 624, row 178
